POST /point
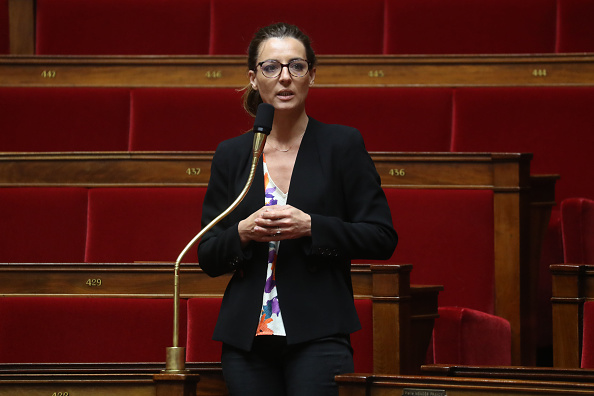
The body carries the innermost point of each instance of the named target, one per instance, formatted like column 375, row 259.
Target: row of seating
column 190, row 27
column 125, row 225
column 554, row 123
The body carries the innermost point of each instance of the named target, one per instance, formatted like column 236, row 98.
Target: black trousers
column 274, row 368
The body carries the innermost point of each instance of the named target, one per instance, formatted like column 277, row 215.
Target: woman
column 315, row 204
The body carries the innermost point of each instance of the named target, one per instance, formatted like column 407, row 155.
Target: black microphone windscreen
column 264, row 116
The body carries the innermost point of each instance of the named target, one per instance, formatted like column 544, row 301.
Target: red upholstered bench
column 470, row 27
column 46, row 225
column 469, row 337
column 575, row 27
column 86, row 330
column 359, row 30
column 577, row 227
column 390, row 119
column 64, row 119
column 4, row 37
column 554, row 123
column 122, row 27
column 142, row 224
column 182, row 119
column 448, row 236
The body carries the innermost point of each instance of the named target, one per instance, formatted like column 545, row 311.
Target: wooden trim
column 333, row 71
column 21, row 21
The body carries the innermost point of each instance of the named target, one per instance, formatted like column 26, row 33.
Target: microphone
column 176, row 355
column 262, row 128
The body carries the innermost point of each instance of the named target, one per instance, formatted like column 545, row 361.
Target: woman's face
column 284, row 92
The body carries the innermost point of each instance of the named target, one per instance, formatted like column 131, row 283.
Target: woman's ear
column 253, row 81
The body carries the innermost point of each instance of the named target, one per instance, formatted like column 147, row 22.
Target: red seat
column 390, row 119
column 470, row 27
column 577, row 226
column 202, row 318
column 362, row 340
column 468, row 337
column 554, row 123
column 4, row 36
column 359, row 30
column 86, row 330
column 575, row 27
column 448, row 236
column 182, row 119
column 64, row 119
column 43, row 225
column 142, row 224
column 122, row 27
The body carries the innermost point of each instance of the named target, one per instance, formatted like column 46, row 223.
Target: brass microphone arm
column 175, row 355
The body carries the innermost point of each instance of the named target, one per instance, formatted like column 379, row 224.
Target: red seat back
column 64, row 119
column 43, row 225
column 575, row 27
column 358, row 28
column 577, row 226
column 554, row 123
column 142, row 224
column 470, row 27
column 182, row 119
column 122, row 27
column 390, row 119
column 86, row 330
column 448, row 237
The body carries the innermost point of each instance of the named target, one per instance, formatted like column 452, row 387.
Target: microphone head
column 264, row 117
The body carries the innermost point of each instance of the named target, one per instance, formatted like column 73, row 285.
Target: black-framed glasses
column 273, row 68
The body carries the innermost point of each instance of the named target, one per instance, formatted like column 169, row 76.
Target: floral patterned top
column 271, row 321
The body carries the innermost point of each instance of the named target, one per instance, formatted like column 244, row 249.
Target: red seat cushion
column 202, row 318
column 577, row 227
column 360, row 30
column 142, row 224
column 182, row 119
column 362, row 340
column 390, row 119
column 448, row 237
column 43, row 225
column 470, row 27
column 4, row 37
column 122, row 27
column 468, row 337
column 64, row 119
column 87, row 330
column 575, row 27
column 554, row 123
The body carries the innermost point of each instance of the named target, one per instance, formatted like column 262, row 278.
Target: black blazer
column 335, row 181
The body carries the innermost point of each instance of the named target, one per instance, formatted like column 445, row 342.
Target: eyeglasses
column 273, row 68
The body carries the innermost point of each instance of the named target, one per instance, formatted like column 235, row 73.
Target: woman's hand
column 275, row 223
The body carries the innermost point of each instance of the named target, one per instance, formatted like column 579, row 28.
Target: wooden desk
column 573, row 284
column 397, row 385
column 114, row 379
column 511, row 372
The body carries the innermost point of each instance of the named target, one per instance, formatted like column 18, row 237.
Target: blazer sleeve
column 363, row 229
column 220, row 251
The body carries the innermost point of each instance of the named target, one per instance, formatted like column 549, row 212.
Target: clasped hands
column 275, row 223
